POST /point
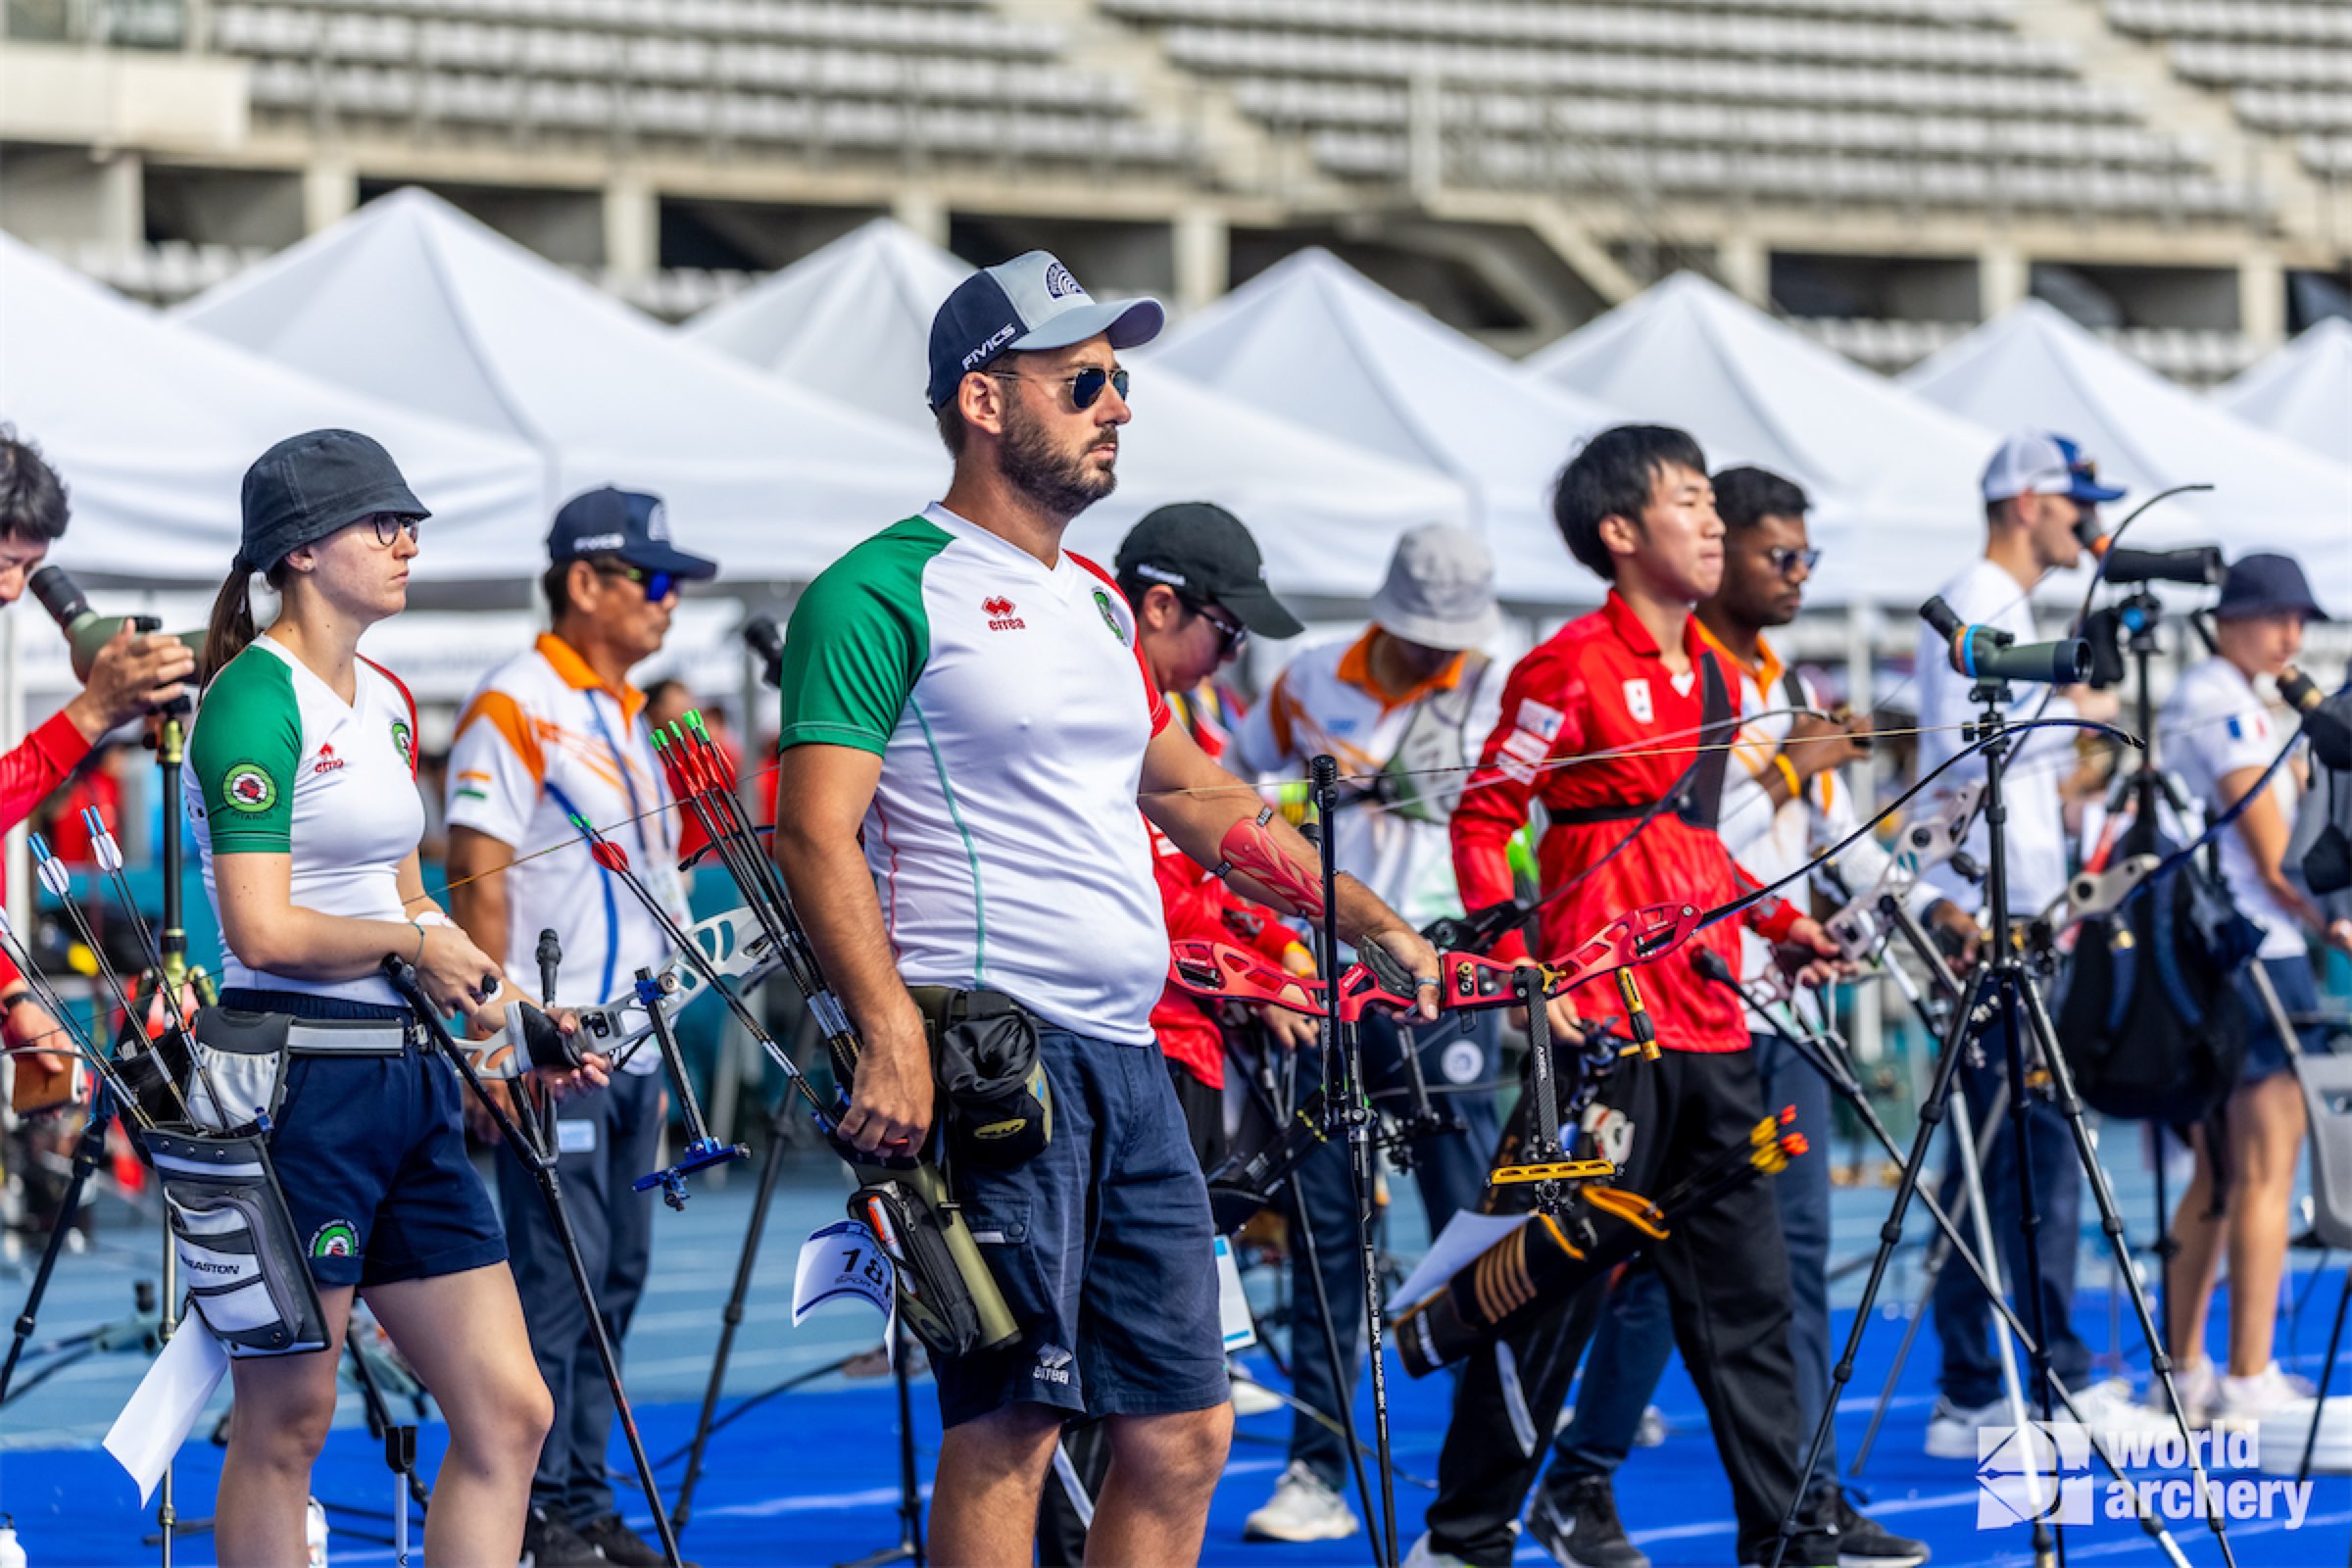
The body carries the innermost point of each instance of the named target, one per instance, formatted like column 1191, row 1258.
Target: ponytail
column 231, row 630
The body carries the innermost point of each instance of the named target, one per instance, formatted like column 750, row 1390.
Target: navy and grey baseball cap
column 2047, row 465
column 310, row 486
column 2267, row 584
column 626, row 523
column 1019, row 307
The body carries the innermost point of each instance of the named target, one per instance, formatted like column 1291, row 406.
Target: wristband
column 1797, row 786
column 417, row 962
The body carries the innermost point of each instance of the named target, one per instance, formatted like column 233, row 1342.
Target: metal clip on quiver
column 945, row 1293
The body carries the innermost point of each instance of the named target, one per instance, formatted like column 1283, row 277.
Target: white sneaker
column 1652, row 1430
column 2199, row 1386
column 1250, row 1396
column 1422, row 1556
column 1952, row 1428
column 1303, row 1508
column 2243, row 1402
column 2110, row 1407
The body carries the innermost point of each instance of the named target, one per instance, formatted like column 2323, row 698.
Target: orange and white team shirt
column 544, row 739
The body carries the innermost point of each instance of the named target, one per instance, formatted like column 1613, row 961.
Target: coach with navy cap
column 555, row 731
column 971, row 695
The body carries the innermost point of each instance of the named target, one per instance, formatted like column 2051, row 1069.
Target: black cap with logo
column 626, row 525
column 1202, row 552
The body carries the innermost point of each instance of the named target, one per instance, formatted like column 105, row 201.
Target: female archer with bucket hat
column 301, row 787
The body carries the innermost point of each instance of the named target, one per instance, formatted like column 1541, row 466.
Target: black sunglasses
column 1085, row 387
column 390, row 526
column 657, row 585
column 1230, row 634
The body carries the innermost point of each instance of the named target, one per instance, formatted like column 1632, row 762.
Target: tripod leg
column 771, row 1167
column 89, row 1151
column 1971, row 1177
column 2318, row 1402
column 1930, row 1113
column 1940, row 1256
column 1343, row 1384
column 2111, row 1224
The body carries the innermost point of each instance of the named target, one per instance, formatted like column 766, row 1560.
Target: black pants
column 1448, row 1168
column 1726, row 1272
column 610, row 1137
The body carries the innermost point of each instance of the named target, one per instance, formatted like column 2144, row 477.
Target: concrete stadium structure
column 2177, row 172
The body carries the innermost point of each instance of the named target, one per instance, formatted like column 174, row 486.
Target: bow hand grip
column 548, row 1045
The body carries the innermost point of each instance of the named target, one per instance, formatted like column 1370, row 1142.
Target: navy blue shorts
column 370, row 1151
column 1102, row 1247
column 2298, row 993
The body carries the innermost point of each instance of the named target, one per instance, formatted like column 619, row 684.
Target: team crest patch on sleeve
column 403, row 743
column 337, row 1238
column 248, row 787
column 1110, row 616
column 1541, row 718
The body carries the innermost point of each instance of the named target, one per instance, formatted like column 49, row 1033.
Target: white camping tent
column 1315, row 340
column 412, row 300
column 855, row 317
column 152, row 427
column 2032, row 367
column 1893, row 480
column 2302, row 391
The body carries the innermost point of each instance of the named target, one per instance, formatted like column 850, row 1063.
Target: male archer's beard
column 1061, row 483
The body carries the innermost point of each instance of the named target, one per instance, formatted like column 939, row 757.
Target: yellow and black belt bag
column 984, row 1056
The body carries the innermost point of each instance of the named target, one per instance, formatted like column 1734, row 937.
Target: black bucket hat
column 309, row 485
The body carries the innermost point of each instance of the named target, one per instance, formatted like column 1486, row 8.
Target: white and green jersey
column 278, row 764
column 1010, row 711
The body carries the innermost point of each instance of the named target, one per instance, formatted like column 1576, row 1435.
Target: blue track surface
column 810, row 1476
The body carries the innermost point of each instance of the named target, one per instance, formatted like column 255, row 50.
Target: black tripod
column 909, row 1546
column 2001, row 996
column 89, row 1152
column 536, row 1149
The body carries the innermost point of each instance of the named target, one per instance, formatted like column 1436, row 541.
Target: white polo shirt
column 1769, row 842
column 278, row 763
column 542, row 739
column 2213, row 725
column 1404, row 759
column 2039, row 861
column 1010, row 710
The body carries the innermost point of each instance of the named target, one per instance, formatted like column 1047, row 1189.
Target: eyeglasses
column 657, row 585
column 390, row 526
column 1085, row 387
column 1784, row 560
column 1230, row 634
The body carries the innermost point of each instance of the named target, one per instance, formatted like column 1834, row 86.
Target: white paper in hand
column 164, row 1407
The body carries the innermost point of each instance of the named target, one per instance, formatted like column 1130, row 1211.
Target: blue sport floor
column 809, row 1477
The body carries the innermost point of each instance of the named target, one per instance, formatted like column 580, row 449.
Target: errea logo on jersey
column 327, row 761
column 1001, row 617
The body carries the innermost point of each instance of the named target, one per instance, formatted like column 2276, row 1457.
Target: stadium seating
column 2288, row 68
column 1909, row 104
column 941, row 77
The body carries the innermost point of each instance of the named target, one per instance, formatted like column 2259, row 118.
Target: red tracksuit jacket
column 1600, row 684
